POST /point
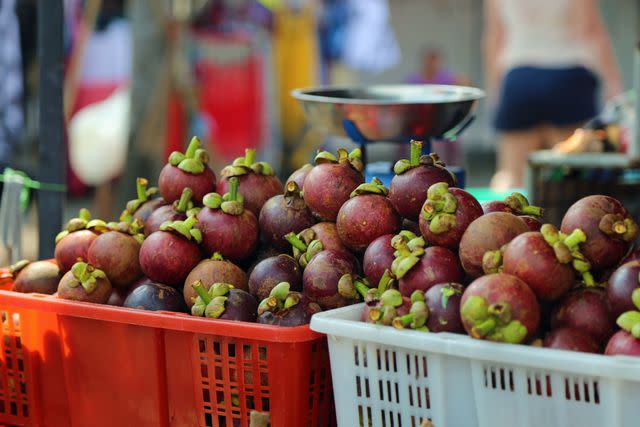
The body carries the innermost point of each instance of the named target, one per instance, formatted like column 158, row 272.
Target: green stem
column 576, row 237
column 385, row 281
column 194, row 144
column 416, row 152
column 295, row 241
column 361, row 287
column 249, row 156
column 190, row 222
column 402, row 321
column 185, row 198
column 233, row 188
column 202, row 292
column 484, row 328
column 532, row 210
column 141, row 189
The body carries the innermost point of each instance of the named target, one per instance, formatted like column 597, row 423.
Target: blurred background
column 142, row 76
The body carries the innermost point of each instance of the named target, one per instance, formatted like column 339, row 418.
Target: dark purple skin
column 160, row 215
column 116, row 254
column 623, row 343
column 320, row 279
column 281, row 215
column 271, row 271
column 377, row 258
column 412, row 226
column 147, row 208
column 364, row 218
column 327, row 186
column 166, row 257
column 529, row 257
column 467, row 211
column 532, row 222
column 234, row 236
column 210, row 271
column 621, row 285
column 496, row 206
column 601, row 250
column 571, row 339
column 327, row 233
column 99, row 296
column 487, row 233
column 241, row 306
column 156, row 297
column 587, row 310
column 444, row 313
column 408, row 191
column 174, row 180
column 298, row 315
column 117, row 297
column 633, row 255
column 73, row 247
column 263, row 252
column 255, row 188
column 436, row 265
column 300, row 175
column 40, row 276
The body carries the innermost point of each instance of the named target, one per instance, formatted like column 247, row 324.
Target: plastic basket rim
column 336, row 324
column 158, row 319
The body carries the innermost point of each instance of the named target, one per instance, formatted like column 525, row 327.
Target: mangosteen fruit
column 367, row 215
column 223, row 301
column 413, row 177
column 586, row 309
column 326, row 233
column 116, row 252
column 516, row 204
column 378, row 257
column 214, row 270
column 156, row 297
column 609, row 228
column 627, row 341
column 284, row 307
column 168, row 256
column 330, row 183
column 226, row 226
column 256, row 181
column 146, row 202
column 177, row 211
column 271, row 271
column 446, row 214
column 621, row 285
column 571, row 339
column 443, row 302
column 487, row 233
column 500, row 307
column 85, row 283
column 187, row 170
column 41, row 277
column 284, row 214
column 72, row 243
column 299, row 175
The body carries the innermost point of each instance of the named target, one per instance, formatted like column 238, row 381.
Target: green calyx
column 86, row 276
column 131, row 227
column 304, row 245
column 448, row 291
column 353, row 158
column 143, row 195
column 246, row 165
column 82, row 222
column 352, row 287
column 518, row 203
column 439, row 209
column 416, row 159
column 492, row 262
column 415, row 319
column 567, row 250
column 408, row 250
column 193, row 160
column 630, row 320
column 373, row 295
column 280, row 298
column 492, row 322
column 619, row 227
column 184, row 203
column 185, row 228
column 374, row 187
column 210, row 302
column 231, row 203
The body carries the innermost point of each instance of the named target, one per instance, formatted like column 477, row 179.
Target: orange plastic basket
column 66, row 363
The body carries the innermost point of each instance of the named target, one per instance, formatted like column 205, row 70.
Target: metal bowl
column 391, row 113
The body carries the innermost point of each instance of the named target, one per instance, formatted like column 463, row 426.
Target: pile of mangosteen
column 422, row 254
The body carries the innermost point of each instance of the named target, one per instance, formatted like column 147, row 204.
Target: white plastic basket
column 388, row 378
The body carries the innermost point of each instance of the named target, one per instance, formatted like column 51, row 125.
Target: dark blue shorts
column 532, row 96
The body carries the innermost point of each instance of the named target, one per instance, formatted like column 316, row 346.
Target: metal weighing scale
column 390, row 113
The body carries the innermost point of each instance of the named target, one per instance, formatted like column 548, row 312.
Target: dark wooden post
column 51, row 147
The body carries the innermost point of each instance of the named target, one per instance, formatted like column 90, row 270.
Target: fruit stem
column 185, row 198
column 202, row 292
column 532, row 210
column 385, row 281
column 295, row 241
column 576, row 237
column 416, row 152
column 361, row 287
column 402, row 321
column 233, row 188
column 484, row 328
column 141, row 189
column 249, row 156
column 194, row 144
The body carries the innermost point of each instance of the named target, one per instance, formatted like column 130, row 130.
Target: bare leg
column 513, row 150
column 558, row 134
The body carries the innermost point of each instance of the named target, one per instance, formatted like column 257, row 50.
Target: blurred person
column 11, row 83
column 547, row 58
column 433, row 70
